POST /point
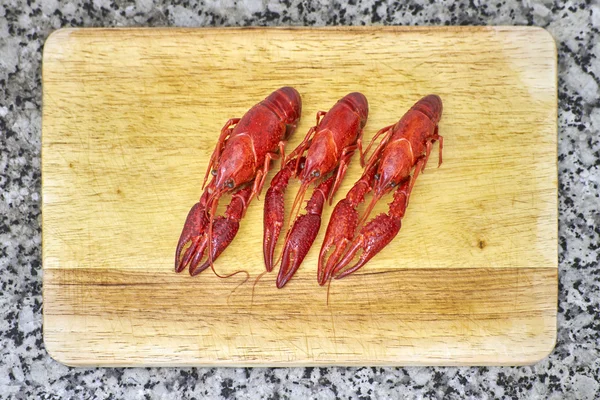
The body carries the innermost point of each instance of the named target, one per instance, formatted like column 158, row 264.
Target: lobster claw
column 196, row 232
column 273, row 222
column 298, row 243
column 342, row 226
column 339, row 233
column 375, row 235
column 224, row 231
column 372, row 239
column 303, row 234
column 193, row 230
column 274, row 212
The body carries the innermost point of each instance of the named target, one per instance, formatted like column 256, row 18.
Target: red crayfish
column 322, row 157
column 239, row 165
column 405, row 146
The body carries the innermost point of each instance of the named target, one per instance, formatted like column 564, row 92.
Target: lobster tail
column 431, row 106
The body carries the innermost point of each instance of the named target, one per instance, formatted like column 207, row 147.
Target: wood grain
column 130, row 117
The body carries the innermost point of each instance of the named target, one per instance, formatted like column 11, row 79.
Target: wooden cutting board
column 130, row 117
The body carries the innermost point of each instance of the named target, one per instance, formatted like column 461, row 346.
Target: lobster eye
column 316, row 173
column 377, row 176
column 392, row 184
column 213, row 172
column 302, row 165
column 229, row 183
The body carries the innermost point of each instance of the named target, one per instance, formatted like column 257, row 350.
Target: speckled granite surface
column 570, row 372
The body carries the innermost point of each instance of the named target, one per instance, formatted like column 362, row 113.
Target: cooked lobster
column 405, row 147
column 238, row 165
column 321, row 158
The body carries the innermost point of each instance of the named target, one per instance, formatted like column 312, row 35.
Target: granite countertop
column 572, row 369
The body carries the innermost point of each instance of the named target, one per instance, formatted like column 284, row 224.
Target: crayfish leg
column 223, row 137
column 377, row 152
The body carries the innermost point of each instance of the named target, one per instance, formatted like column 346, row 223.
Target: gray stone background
column 26, row 370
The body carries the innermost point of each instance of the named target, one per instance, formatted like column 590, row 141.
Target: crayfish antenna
column 214, row 202
column 369, row 209
column 328, row 288
column 297, row 204
column 222, row 230
column 243, row 271
column 258, row 278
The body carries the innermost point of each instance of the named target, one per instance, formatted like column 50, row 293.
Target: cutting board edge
column 61, row 33
column 511, row 362
column 514, row 359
